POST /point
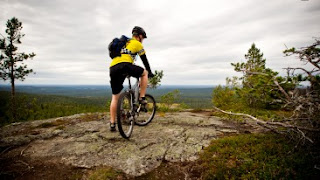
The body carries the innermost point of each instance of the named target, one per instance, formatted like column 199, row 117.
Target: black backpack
column 116, row 45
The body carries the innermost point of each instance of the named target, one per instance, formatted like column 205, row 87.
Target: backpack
column 116, row 45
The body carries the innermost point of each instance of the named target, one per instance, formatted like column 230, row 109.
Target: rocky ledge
column 84, row 140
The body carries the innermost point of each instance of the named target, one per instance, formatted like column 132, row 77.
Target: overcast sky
column 193, row 42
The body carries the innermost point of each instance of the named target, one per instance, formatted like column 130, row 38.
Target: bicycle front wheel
column 146, row 112
column 124, row 118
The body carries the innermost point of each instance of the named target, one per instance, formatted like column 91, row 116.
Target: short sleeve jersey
column 129, row 53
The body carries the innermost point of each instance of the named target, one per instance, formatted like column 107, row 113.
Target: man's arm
column 146, row 65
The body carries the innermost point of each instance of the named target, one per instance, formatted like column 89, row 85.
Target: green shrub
column 224, row 97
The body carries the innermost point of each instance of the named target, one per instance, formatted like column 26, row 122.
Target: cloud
column 192, row 42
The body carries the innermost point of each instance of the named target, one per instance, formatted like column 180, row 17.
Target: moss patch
column 92, row 117
column 58, row 122
column 103, row 173
column 264, row 156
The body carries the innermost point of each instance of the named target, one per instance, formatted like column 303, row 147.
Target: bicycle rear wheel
column 147, row 112
column 124, row 118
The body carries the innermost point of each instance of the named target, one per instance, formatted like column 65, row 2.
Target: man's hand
column 150, row 75
column 154, row 82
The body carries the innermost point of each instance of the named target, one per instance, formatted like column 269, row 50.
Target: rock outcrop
column 85, row 141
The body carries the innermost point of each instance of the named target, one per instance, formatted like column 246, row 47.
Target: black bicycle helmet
column 139, row 31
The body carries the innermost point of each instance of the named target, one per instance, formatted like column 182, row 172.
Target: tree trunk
column 13, row 92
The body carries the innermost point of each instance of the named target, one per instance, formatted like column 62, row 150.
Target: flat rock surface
column 84, row 141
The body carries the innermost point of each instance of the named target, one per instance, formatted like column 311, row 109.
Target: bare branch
column 313, row 63
column 308, row 72
column 2, row 36
column 274, row 81
column 281, row 89
column 293, row 127
column 269, row 125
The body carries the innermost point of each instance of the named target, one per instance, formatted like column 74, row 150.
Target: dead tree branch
column 273, row 125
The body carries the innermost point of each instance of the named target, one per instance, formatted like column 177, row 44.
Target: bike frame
column 131, row 115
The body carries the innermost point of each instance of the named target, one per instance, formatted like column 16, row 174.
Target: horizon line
column 100, row 85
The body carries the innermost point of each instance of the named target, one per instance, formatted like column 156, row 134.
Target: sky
column 193, row 42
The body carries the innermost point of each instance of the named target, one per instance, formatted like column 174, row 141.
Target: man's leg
column 143, row 83
column 113, row 107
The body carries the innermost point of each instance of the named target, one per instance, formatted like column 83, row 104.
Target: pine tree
column 257, row 83
column 12, row 66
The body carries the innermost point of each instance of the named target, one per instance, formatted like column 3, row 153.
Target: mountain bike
column 130, row 112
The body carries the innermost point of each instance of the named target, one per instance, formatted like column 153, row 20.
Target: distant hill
column 193, row 95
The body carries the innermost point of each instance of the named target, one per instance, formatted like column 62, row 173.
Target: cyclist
column 121, row 66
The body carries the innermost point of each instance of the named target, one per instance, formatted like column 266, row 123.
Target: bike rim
column 125, row 120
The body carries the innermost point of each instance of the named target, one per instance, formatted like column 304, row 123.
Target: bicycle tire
column 145, row 117
column 124, row 108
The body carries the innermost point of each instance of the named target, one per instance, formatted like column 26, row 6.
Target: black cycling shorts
column 119, row 72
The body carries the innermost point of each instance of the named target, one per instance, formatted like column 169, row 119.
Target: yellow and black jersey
column 129, row 53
